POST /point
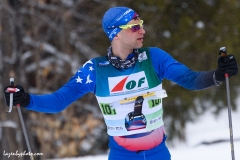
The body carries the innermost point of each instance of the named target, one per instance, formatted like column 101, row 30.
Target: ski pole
column 223, row 52
column 12, row 89
column 24, row 131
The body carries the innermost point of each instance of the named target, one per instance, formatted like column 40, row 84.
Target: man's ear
column 117, row 36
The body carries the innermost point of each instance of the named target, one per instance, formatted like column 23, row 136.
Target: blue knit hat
column 115, row 17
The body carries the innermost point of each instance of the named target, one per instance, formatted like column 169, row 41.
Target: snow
column 207, row 128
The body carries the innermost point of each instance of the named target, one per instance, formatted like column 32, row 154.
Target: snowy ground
column 207, row 128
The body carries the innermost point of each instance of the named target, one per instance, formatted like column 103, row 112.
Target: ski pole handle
column 223, row 52
column 11, row 82
column 11, row 90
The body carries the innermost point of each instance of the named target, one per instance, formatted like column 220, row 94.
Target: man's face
column 131, row 39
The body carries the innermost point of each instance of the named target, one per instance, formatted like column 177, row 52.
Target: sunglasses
column 134, row 27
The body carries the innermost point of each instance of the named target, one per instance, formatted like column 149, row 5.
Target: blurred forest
column 44, row 42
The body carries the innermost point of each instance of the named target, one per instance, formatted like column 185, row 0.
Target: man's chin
column 139, row 46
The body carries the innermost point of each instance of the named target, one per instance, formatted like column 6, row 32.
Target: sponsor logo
column 128, row 84
column 105, row 63
column 142, row 56
column 125, row 13
column 112, row 34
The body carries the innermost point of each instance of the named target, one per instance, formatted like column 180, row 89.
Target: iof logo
column 128, row 83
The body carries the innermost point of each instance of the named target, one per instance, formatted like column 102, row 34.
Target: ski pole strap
column 11, row 91
column 10, row 103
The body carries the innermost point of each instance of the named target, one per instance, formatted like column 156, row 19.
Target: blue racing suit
column 145, row 146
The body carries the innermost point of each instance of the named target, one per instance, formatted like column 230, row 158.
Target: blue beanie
column 116, row 17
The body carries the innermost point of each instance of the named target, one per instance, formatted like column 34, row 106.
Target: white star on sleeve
column 88, row 79
column 91, row 68
column 79, row 80
column 89, row 61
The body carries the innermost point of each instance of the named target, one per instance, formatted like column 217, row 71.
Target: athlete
column 127, row 83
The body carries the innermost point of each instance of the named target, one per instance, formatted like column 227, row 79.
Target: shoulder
column 99, row 59
column 154, row 50
column 156, row 53
column 94, row 61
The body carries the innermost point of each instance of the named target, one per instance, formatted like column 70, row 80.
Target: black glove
column 226, row 64
column 19, row 97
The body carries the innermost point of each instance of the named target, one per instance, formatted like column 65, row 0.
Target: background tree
column 44, row 42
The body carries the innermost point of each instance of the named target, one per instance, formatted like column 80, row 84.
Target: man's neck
column 121, row 52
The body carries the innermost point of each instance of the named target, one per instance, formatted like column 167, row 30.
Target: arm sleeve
column 167, row 67
column 81, row 83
